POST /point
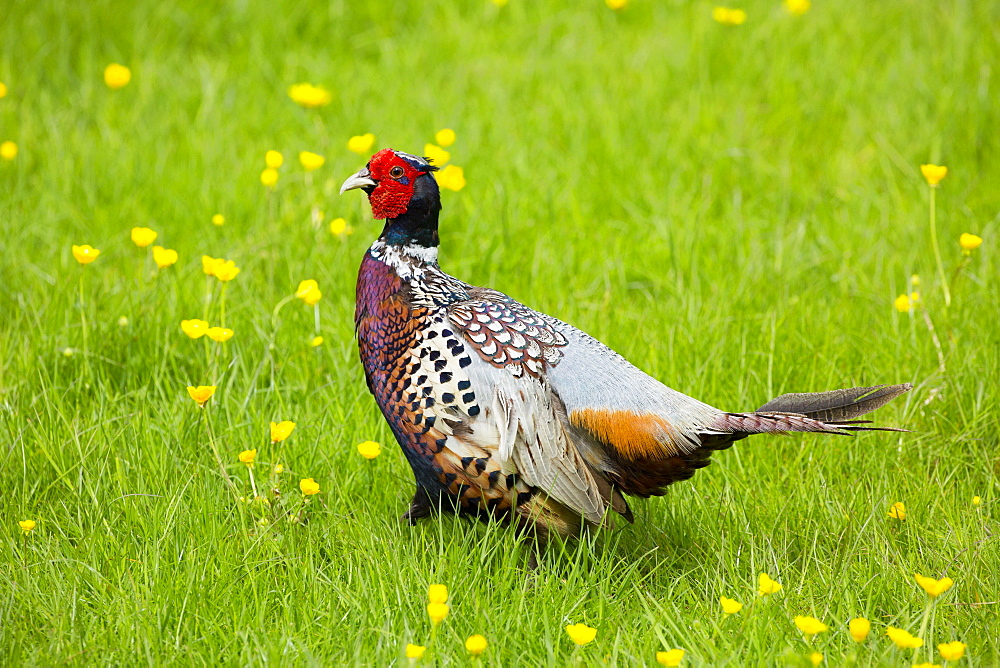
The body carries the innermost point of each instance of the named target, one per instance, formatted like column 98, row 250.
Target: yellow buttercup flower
column 85, row 254
column 671, row 657
column 3, row 90
column 730, row 606
column 903, row 303
column 247, row 456
column 729, row 17
column 274, row 159
column 581, row 634
column 816, row 658
column 269, row 177
column 903, row 639
column 202, row 393
column 898, row 511
column 451, row 178
column 305, row 287
column 476, row 644
column 437, row 593
column 311, row 161
column 219, row 334
column 969, row 242
column 316, row 341
column 952, row 651
column 934, row 173
column 437, row 612
column 194, row 328
column 976, row 500
column 8, row 150
column 934, row 588
column 309, row 96
column 859, row 627
column 436, row 155
column 927, row 664
column 226, row 271
column 143, row 236
column 616, row 5
column 309, row 486
column 339, row 227
column 209, row 263
column 500, row 3
column 415, row 651
column 445, row 137
column 810, row 625
column 313, row 297
column 797, row 7
column 164, row 257
column 218, row 220
column 308, row 291
column 369, row 449
column 117, row 76
column 766, row 585
column 361, row 144
column 281, row 430
column 28, row 525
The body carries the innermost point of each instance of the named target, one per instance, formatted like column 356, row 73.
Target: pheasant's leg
column 420, row 506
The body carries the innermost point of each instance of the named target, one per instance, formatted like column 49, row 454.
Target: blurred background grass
column 734, row 208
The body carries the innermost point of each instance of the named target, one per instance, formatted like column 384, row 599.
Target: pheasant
column 507, row 413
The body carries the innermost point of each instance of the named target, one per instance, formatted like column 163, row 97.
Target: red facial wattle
column 395, row 177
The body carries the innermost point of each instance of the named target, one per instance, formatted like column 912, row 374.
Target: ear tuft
column 417, row 162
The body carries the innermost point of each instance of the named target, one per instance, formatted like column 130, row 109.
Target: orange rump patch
column 633, row 435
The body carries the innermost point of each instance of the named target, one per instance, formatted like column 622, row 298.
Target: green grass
column 733, row 209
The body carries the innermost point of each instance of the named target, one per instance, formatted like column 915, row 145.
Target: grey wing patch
column 507, row 334
column 529, row 426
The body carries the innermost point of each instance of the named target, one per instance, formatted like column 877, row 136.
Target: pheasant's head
column 398, row 183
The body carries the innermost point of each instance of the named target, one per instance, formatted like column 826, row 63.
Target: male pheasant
column 504, row 412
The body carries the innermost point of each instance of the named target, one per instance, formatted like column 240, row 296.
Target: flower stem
column 208, row 297
column 83, row 325
column 430, row 641
column 222, row 306
column 215, row 449
column 923, row 628
column 302, row 506
column 253, row 483
column 966, row 257
column 83, row 311
column 278, row 307
column 215, row 363
column 937, row 250
column 274, row 337
column 208, row 358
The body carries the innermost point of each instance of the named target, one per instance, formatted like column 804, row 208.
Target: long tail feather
column 770, row 423
column 826, row 412
column 836, row 406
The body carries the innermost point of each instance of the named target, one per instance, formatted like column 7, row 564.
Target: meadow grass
column 734, row 209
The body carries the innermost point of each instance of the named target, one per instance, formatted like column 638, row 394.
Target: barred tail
column 827, row 412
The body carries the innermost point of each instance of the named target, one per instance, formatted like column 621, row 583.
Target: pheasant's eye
column 396, row 172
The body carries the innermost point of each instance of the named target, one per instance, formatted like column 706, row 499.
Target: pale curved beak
column 360, row 180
